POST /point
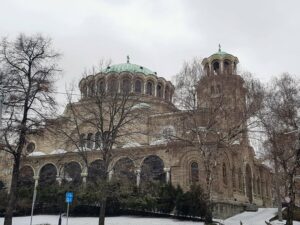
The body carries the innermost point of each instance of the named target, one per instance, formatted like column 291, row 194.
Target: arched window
column 113, row 86
column 233, row 178
column 91, row 89
column 82, row 140
column 149, row 88
column 167, row 93
column 101, row 86
column 194, row 172
column 159, row 91
column 216, row 67
column 224, row 174
column 126, row 87
column 98, row 141
column 227, row 67
column 89, row 141
column 138, row 86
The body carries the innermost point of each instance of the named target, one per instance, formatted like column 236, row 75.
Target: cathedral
column 239, row 181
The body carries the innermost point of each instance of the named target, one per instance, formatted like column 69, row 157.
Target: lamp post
column 36, row 182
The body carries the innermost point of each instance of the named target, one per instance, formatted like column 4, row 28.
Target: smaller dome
column 128, row 67
column 220, row 55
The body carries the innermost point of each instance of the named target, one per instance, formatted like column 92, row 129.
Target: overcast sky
column 161, row 34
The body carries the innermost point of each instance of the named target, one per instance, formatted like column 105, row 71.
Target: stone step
column 251, row 207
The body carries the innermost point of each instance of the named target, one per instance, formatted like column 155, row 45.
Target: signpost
column 69, row 199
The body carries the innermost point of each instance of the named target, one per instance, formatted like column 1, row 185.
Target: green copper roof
column 128, row 67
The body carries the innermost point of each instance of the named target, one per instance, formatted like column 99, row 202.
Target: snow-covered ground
column 247, row 218
column 254, row 218
column 121, row 220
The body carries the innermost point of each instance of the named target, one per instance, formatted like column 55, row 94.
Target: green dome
column 128, row 67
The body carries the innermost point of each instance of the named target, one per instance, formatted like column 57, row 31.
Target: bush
column 193, row 203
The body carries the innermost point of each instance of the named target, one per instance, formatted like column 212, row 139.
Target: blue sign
column 69, row 197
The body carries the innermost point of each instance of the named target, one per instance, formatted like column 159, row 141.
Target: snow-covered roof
column 58, row 151
column 131, row 145
column 159, row 142
column 37, row 153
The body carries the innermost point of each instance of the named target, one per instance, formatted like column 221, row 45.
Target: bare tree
column 30, row 67
column 114, row 117
column 215, row 118
column 280, row 120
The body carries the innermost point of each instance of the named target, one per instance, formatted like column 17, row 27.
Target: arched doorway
column 48, row 175
column 124, row 171
column 152, row 170
column 96, row 171
column 72, row 173
column 249, row 183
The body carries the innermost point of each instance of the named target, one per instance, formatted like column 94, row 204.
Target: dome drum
column 136, row 80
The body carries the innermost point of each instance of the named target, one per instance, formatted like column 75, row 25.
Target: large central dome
column 128, row 67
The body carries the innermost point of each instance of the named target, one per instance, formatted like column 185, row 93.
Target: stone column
column 59, row 180
column 167, row 171
column 155, row 89
column 221, row 67
column 84, row 176
column 110, row 175
column 145, row 87
column 138, row 177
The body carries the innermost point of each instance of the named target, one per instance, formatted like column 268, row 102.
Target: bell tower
column 222, row 90
column 220, row 63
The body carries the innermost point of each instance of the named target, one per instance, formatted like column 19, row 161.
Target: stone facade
column 239, row 178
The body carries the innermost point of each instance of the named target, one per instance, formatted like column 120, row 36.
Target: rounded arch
column 96, row 171
column 72, row 172
column 152, row 169
column 126, row 84
column 124, row 171
column 26, row 176
column 159, row 90
column 150, row 87
column 249, row 186
column 47, row 175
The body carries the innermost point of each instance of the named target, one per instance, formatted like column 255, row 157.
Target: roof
column 128, row 67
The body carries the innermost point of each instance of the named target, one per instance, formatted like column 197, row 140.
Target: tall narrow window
column 126, row 86
column 159, row 91
column 98, row 140
column 113, row 86
column 82, row 140
column 224, row 174
column 167, row 93
column 149, row 88
column 89, row 140
column 194, row 172
column 138, row 86
column 101, row 87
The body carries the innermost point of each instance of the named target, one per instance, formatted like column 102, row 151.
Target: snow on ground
column 121, row 220
column 254, row 218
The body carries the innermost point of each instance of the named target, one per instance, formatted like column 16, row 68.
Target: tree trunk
column 12, row 197
column 279, row 205
column 102, row 212
column 290, row 213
